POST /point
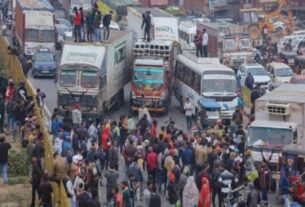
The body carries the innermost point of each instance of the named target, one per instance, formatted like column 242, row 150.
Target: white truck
column 279, row 121
column 164, row 25
column 34, row 26
column 94, row 75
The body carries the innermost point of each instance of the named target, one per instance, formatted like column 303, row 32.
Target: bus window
column 197, row 83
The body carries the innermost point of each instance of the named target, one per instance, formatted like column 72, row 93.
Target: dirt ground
column 15, row 195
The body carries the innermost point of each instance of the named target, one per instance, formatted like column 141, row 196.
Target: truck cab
column 279, row 121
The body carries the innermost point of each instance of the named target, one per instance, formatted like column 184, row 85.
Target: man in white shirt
column 188, row 108
column 77, row 116
column 205, row 41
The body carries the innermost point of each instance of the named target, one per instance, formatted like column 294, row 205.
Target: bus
column 187, row 31
column 197, row 78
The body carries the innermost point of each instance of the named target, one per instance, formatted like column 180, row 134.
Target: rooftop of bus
column 203, row 66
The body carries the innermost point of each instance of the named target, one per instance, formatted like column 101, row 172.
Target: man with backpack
column 155, row 199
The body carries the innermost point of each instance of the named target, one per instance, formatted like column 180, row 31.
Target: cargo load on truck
column 93, row 75
column 120, row 6
column 279, row 121
column 153, row 65
column 164, row 25
column 230, row 42
column 68, row 5
column 34, row 26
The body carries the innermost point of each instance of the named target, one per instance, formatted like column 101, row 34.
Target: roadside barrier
column 15, row 71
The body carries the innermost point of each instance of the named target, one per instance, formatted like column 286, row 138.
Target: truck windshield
column 219, row 83
column 245, row 43
column 67, row 78
column 31, row 35
column 47, row 36
column 89, row 79
column 269, row 137
column 149, row 76
column 230, row 44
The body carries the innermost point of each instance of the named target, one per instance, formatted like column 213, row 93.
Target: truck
column 230, row 42
column 153, row 65
column 154, row 3
column 93, row 75
column 120, row 7
column 68, row 5
column 206, row 6
column 279, row 121
column 266, row 5
column 164, row 25
column 34, row 26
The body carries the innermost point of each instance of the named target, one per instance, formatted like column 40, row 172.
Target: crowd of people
column 204, row 166
column 87, row 26
column 191, row 168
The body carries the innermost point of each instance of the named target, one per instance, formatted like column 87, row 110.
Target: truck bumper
column 150, row 109
column 152, row 105
column 85, row 115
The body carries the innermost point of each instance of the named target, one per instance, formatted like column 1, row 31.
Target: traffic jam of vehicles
column 234, row 67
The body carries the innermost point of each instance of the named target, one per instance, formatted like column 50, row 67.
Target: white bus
column 208, row 79
column 187, row 31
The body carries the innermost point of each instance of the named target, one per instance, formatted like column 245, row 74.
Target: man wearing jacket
column 77, row 25
column 264, row 178
column 146, row 23
column 106, row 24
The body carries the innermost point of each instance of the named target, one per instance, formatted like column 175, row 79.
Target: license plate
column 45, row 71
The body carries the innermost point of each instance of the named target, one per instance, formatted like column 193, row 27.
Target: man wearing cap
column 106, row 24
column 4, row 148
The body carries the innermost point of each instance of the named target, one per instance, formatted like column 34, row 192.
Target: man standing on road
column 2, row 110
column 4, row 147
column 205, row 41
column 76, row 116
column 188, row 107
column 112, row 177
column 106, row 24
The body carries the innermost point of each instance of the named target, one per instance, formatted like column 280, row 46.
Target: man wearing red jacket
column 152, row 159
column 77, row 25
